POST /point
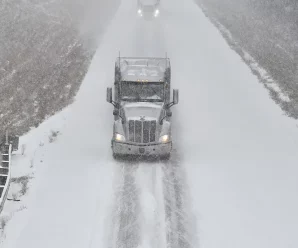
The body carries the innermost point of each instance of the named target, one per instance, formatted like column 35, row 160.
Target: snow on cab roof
column 135, row 69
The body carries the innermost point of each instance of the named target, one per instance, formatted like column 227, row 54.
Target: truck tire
column 118, row 156
column 165, row 157
column 115, row 155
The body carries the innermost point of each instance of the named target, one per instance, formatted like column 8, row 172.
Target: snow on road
column 232, row 179
column 238, row 149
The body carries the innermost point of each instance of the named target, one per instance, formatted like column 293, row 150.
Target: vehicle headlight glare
column 156, row 12
column 119, row 137
column 140, row 11
column 164, row 138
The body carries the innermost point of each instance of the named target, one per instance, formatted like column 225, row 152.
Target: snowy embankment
column 45, row 53
column 232, row 179
column 264, row 33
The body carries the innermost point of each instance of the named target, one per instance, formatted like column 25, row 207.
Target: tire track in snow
column 149, row 178
column 138, row 215
column 177, row 214
column 151, row 206
column 125, row 233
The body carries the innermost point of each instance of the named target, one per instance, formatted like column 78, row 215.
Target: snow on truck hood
column 150, row 111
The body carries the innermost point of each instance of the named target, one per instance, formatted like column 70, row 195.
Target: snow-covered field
column 46, row 47
column 263, row 33
column 231, row 181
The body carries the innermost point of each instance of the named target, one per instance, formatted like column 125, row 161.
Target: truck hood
column 142, row 122
column 142, row 110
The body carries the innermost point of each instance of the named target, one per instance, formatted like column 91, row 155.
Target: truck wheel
column 165, row 157
column 116, row 156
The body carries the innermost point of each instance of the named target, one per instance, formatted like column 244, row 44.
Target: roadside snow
column 239, row 149
column 254, row 65
column 27, row 168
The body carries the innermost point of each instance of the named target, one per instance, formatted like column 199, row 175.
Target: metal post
column 166, row 60
column 6, row 138
column 119, row 58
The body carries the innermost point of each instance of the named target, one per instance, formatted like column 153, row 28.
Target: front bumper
column 157, row 149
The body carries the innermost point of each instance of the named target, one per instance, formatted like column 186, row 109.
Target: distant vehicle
column 142, row 107
column 148, row 8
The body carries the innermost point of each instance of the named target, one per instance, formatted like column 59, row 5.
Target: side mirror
column 109, row 95
column 116, row 112
column 175, row 96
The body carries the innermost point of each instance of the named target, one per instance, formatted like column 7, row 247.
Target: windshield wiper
column 155, row 93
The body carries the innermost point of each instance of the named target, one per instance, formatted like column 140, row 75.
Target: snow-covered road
column 231, row 182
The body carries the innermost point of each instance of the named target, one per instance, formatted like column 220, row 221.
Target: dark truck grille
column 141, row 131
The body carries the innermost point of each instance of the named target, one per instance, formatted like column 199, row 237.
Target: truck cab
column 142, row 107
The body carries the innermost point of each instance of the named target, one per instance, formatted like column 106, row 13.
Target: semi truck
column 142, row 107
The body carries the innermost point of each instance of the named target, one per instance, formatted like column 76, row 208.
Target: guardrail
column 5, row 175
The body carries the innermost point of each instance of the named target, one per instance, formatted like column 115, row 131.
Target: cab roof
column 143, row 69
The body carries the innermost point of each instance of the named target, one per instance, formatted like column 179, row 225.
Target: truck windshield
column 142, row 91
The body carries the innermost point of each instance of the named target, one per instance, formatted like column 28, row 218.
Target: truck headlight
column 140, row 12
column 164, row 138
column 119, row 137
column 156, row 13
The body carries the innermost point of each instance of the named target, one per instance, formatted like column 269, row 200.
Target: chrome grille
column 141, row 131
